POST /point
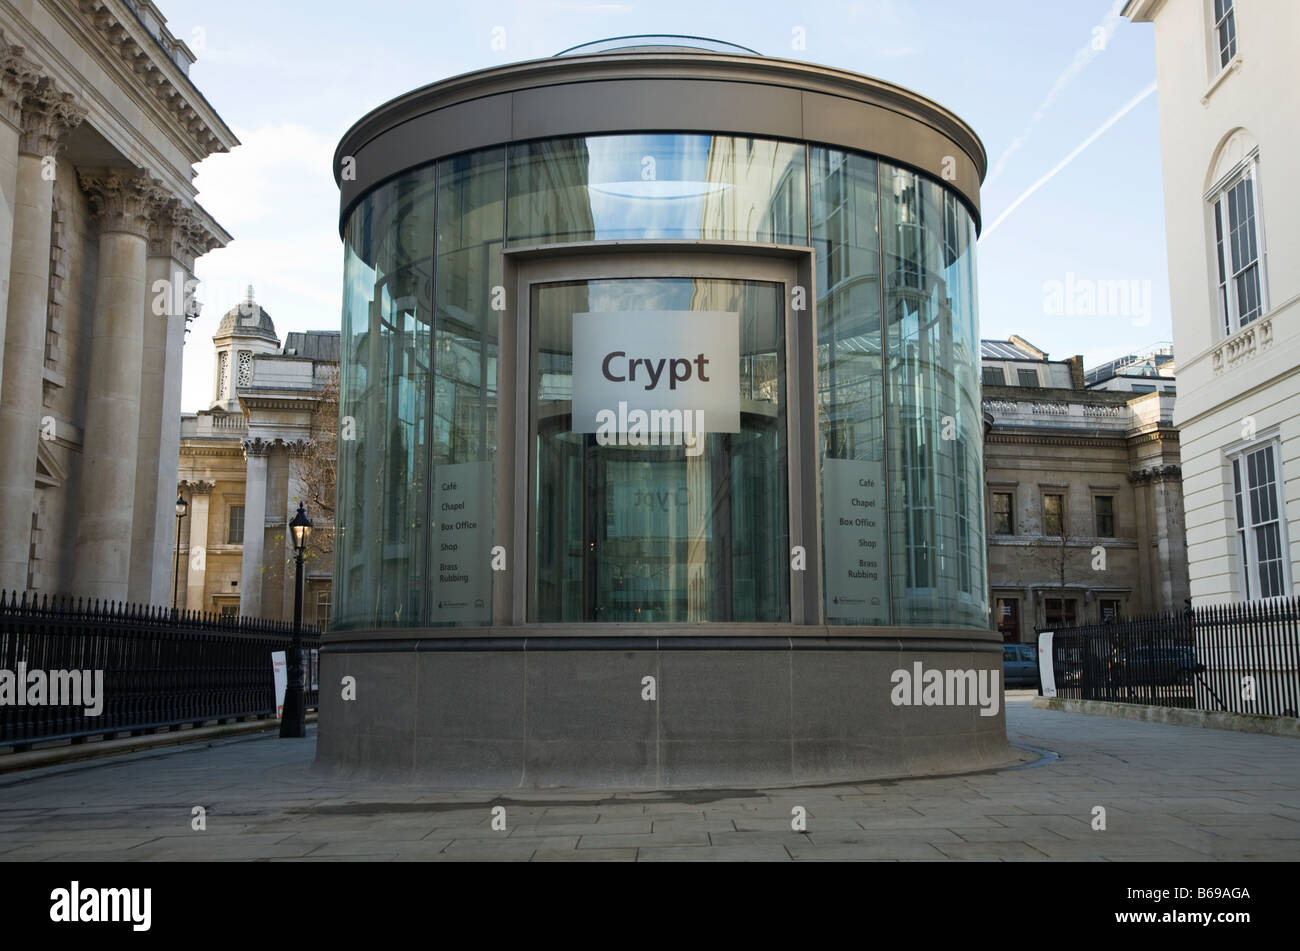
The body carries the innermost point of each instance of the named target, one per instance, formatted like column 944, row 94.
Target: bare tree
column 318, row 465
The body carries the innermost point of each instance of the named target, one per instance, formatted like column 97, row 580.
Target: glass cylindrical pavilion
column 787, row 251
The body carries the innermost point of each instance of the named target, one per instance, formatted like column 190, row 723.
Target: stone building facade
column 1084, row 497
column 247, row 461
column 100, row 129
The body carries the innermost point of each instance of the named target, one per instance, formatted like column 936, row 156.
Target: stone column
column 109, row 467
column 17, row 76
column 250, row 570
column 175, row 238
column 47, row 117
column 196, row 574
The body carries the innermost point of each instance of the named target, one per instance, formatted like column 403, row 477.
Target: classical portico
column 100, row 128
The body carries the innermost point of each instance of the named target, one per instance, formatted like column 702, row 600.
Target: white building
column 1228, row 74
column 100, row 129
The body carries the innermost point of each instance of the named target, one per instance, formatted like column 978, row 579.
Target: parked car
column 1019, row 665
column 1155, row 666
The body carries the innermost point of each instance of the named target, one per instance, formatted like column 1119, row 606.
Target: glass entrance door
column 669, row 531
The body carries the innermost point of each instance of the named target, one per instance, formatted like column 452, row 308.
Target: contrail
column 1128, row 107
column 1085, row 55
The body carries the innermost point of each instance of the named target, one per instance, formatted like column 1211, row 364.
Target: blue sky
column 1036, row 79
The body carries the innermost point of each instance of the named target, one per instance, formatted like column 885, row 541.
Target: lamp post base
column 294, row 722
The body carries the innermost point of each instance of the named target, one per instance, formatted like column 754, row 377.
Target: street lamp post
column 294, row 721
column 181, row 508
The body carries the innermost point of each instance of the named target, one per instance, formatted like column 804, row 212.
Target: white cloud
column 276, row 195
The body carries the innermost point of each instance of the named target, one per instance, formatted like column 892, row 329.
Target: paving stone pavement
column 1169, row 793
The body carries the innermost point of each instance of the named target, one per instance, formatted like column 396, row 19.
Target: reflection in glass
column 628, row 533
column 657, row 186
column 382, row 505
column 471, row 192
column 850, row 391
column 897, row 390
column 934, row 420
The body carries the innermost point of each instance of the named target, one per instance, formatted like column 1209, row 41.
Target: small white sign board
column 281, row 681
column 1045, row 664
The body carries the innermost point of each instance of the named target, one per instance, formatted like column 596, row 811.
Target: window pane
column 1053, row 507
column 993, row 376
column 1002, row 518
column 235, row 534
column 1105, row 505
column 1028, row 377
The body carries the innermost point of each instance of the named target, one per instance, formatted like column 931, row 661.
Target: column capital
column 121, row 199
column 18, row 75
column 169, row 223
column 48, row 117
column 297, row 447
column 197, row 487
column 200, row 239
column 256, row 447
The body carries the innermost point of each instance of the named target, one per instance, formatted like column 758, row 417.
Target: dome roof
column 659, row 42
column 247, row 319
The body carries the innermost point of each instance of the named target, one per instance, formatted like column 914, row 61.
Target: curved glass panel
column 659, row 533
column 850, row 388
column 382, row 506
column 934, row 421
column 660, row 186
column 471, row 220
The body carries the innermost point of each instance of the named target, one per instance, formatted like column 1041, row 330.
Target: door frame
column 524, row 267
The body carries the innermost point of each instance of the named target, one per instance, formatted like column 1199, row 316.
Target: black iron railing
column 159, row 668
column 1241, row 658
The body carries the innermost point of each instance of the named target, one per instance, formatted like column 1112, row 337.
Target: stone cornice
column 190, row 448
column 141, row 55
column 1033, row 438
column 303, row 402
column 48, row 116
column 122, row 199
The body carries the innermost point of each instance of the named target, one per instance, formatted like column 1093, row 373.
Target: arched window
column 1238, row 245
